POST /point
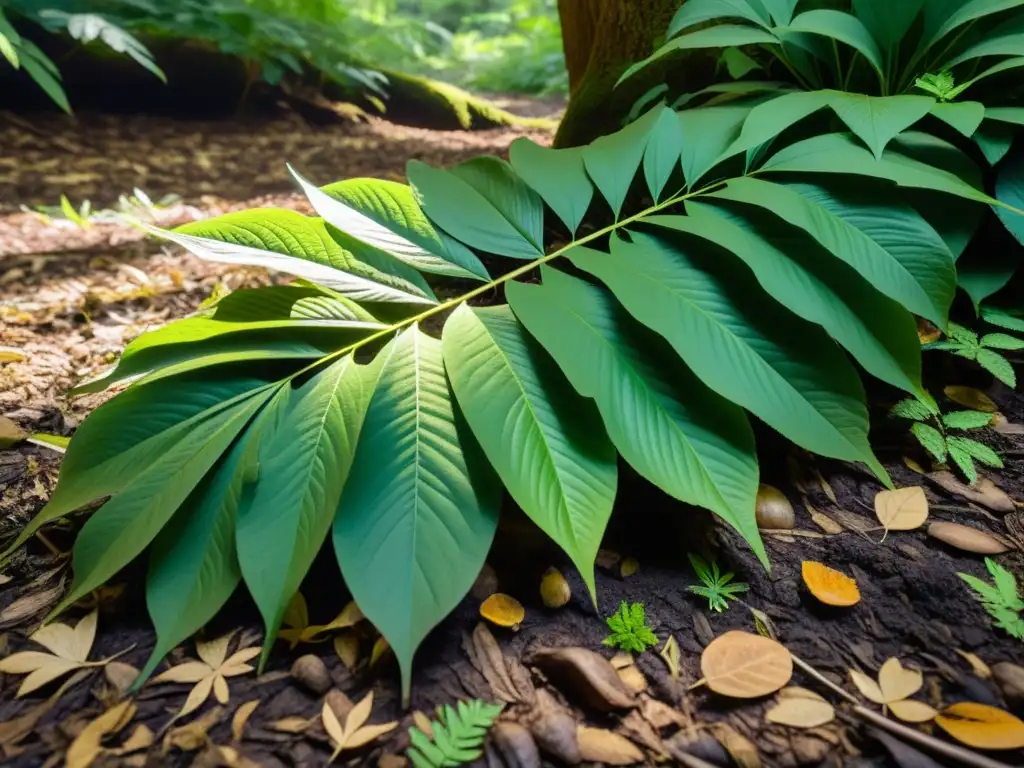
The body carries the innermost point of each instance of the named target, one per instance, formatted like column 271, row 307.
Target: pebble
column 311, row 672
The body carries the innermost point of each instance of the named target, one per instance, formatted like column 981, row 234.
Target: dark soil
column 70, row 299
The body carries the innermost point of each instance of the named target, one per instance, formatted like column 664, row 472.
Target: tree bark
column 601, row 39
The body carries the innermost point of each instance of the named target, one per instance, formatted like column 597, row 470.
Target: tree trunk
column 601, row 39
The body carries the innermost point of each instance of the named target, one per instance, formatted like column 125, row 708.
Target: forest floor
column 71, row 298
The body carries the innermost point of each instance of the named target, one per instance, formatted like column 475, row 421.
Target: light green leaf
column 125, row 525
column 963, row 116
column 1011, row 44
column 545, row 442
column 664, row 147
column 304, row 460
column 749, row 349
column 1012, row 320
column 694, row 12
column 722, row 36
column 1001, row 341
column 612, row 161
column 845, row 28
column 768, row 119
column 484, row 204
column 870, row 229
column 385, row 215
column 421, row 506
column 804, row 278
column 677, row 433
column 878, row 119
column 558, row 176
column 979, row 452
column 1013, row 115
column 707, row 133
column 966, row 419
column 39, row 67
column 930, row 439
column 962, row 458
column 998, row 366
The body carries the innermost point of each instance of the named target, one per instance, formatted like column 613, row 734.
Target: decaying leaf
column 740, row 748
column 354, row 733
column 68, row 650
column 743, row 665
column 554, row 589
column 503, row 610
column 763, row 623
column 600, row 746
column 830, row 586
column 630, row 566
column 14, row 731
column 142, row 738
column 297, row 628
column 670, row 654
column 87, row 746
column 120, row 675
column 293, row 724
column 927, row 332
column 913, row 466
column 967, row 538
column 421, row 721
column 346, row 645
column 981, row 726
column 800, row 708
column 192, row 735
column 633, row 677
column 979, row 667
column 972, row 398
column 823, row 521
column 895, row 685
column 486, row 657
column 903, row 509
column 586, row 675
column 241, row 717
column 1004, row 426
column 984, row 492
column 211, row 673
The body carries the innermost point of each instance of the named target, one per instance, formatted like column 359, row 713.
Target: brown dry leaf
column 600, row 746
column 981, row 726
column 142, row 738
column 193, row 735
column 903, row 509
column 290, row 724
column 503, row 610
column 823, row 521
column 120, row 675
column 927, row 332
column 486, row 657
column 87, row 746
column 825, row 487
column 745, row 666
column 209, row 674
column 984, row 492
column 422, row 722
column 587, row 675
column 979, row 667
column 607, row 559
column 1005, row 427
column 32, row 604
column 355, row 733
column 629, row 567
column 633, row 678
column 896, row 684
column 740, row 748
column 346, row 645
column 967, row 538
column 972, row 398
column 554, row 589
column 10, row 433
column 800, row 708
column 68, row 650
column 671, row 656
column 830, row 586
column 241, row 717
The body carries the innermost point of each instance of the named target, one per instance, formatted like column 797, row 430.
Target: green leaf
column 664, row 147
column 930, row 439
column 708, row 135
column 696, row 12
column 558, row 176
column 962, row 458
column 962, row 334
column 484, row 204
column 458, row 735
column 545, row 442
column 768, row 119
column 125, row 525
column 887, row 21
column 995, row 140
column 781, row 10
column 998, row 366
column 35, row 63
column 870, row 229
column 724, row 92
column 966, row 419
column 286, row 241
column 1012, row 115
column 979, row 451
column 911, row 408
column 126, row 436
column 964, row 116
column 691, row 443
column 998, row 68
column 419, row 511
column 748, row 349
column 825, row 291
column 737, row 63
column 878, row 119
column 304, row 460
column 1001, row 341
column 1011, row 320
column 8, row 52
column 845, row 28
column 612, row 161
column 385, row 215
column 993, row 45
column 1010, row 190
column 969, row 11
column 274, row 303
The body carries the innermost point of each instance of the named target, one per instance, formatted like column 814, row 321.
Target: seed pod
column 554, row 589
column 773, row 509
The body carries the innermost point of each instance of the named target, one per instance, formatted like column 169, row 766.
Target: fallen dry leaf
column 354, row 733
column 293, row 724
column 979, row 667
column 800, row 708
column 68, row 650
column 981, row 726
column 241, row 717
column 972, row 398
column 586, row 675
column 830, row 586
column 633, row 678
column 14, row 731
column 913, row 466
column 120, row 675
column 87, row 746
column 903, row 509
column 984, row 492
column 299, row 630
column 967, row 538
column 600, row 746
column 503, row 610
column 554, row 589
column 211, row 673
column 823, row 521
column 346, row 645
column 381, row 648
column 142, row 738
column 11, row 355
column 670, row 654
column 740, row 748
column 192, row 735
column 896, row 684
column 743, row 665
column 927, row 332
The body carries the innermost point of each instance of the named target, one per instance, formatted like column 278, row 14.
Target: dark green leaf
column 558, row 176
column 878, row 119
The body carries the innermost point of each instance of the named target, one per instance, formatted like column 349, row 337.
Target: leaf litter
column 210, row 673
column 354, row 733
column 895, row 685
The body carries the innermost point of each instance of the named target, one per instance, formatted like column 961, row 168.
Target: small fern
column 981, row 349
column 456, row 737
column 629, row 629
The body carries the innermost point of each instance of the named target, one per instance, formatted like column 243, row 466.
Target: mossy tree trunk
column 601, row 39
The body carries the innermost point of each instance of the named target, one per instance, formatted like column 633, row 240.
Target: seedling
column 719, row 587
column 966, row 343
column 931, row 427
column 629, row 629
column 1000, row 599
column 942, row 86
column 456, row 737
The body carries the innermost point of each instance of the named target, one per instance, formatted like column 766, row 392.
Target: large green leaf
column 781, row 10
column 998, row 45
column 722, row 36
column 878, row 119
column 193, row 568
column 385, row 215
column 664, row 147
column 963, row 116
column 126, row 436
column 558, row 176
column 1013, row 115
column 706, row 133
column 768, row 119
column 994, row 139
column 1010, row 190
column 419, row 511
column 484, row 204
column 740, row 343
column 696, row 12
column 286, row 241
column 870, row 229
column 125, row 525
column 969, row 11
column 1002, row 66
column 285, row 302
column 677, row 433
column 545, row 441
column 844, row 27
column 879, row 333
column 887, row 21
column 304, row 460
column 612, row 161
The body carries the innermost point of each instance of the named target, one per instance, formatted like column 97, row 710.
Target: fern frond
column 457, row 735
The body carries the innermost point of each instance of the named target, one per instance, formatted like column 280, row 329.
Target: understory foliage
column 456, row 737
column 1000, row 598
column 753, row 257
column 629, row 629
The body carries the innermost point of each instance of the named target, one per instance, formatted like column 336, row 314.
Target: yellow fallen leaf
column 241, row 717
column 927, row 332
column 68, row 650
column 597, row 745
column 903, row 509
column 830, row 586
column 87, row 746
column 745, row 666
column 381, row 648
column 972, row 398
column 981, row 726
column 670, row 654
column 11, row 355
column 913, row 466
column 299, row 630
column 354, row 733
column 209, row 674
column 142, row 738
column 800, row 708
column 979, row 667
column 896, row 684
column 346, row 645
column 503, row 610
column 912, row 711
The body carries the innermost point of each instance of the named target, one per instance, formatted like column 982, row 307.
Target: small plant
column 719, row 587
column 931, row 427
column 966, row 343
column 629, row 629
column 1000, row 599
column 942, row 86
column 455, row 737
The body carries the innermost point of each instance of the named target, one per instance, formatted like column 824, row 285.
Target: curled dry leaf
column 670, row 654
column 773, row 510
column 745, row 666
column 554, row 589
column 903, row 509
column 209, row 674
column 503, row 610
column 927, row 332
column 68, row 650
column 586, row 675
column 600, row 746
column 830, row 586
column 297, row 628
column 967, row 538
column 633, row 678
column 354, row 733
column 972, row 398
column 88, row 745
column 800, row 708
column 981, row 726
column 241, row 717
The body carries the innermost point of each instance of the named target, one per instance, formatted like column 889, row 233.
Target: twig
column 952, row 751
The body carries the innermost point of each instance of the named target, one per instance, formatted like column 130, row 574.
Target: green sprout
column 718, row 588
column 629, row 629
